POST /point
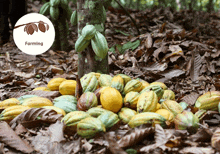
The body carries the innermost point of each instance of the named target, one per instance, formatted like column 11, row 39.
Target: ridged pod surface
column 109, row 119
column 81, row 44
column 172, row 106
column 159, row 84
column 144, row 83
column 133, row 85
column 99, row 45
column 125, row 77
column 86, row 101
column 131, row 99
column 166, row 114
column 89, row 127
column 73, row 118
column 168, row 94
column 66, row 102
column 9, row 102
column 111, row 99
column 208, row 101
column 147, row 102
column 97, row 75
column 117, row 83
column 96, row 111
column 147, row 118
column 88, row 32
column 24, row 97
column 68, row 87
column 187, row 121
column 54, row 83
column 37, row 102
column 157, row 89
column 105, row 80
column 126, row 114
column 89, row 83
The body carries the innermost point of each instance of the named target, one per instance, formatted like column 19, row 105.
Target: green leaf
column 128, row 45
column 119, row 31
column 112, row 49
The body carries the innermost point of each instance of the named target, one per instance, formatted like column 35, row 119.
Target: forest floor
column 181, row 49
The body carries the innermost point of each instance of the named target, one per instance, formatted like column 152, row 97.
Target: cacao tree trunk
column 210, row 6
column 91, row 12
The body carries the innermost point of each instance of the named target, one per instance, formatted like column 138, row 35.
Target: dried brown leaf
column 196, row 64
column 197, row 150
column 114, row 147
column 136, row 136
column 34, row 114
column 191, row 98
column 215, row 140
column 148, row 42
column 56, row 130
column 10, row 138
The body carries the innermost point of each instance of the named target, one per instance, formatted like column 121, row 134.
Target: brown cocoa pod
column 87, row 101
column 42, row 27
column 30, row 29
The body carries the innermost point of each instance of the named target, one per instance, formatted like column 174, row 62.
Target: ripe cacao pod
column 23, row 98
column 172, row 106
column 9, row 102
column 147, row 102
column 111, row 99
column 144, row 83
column 54, row 83
column 68, row 87
column 166, row 114
column 187, row 121
column 58, row 110
column 88, row 32
column 131, row 99
column 86, row 101
column 208, row 101
column 147, row 118
column 126, row 114
column 89, row 127
column 37, row 102
column 133, row 85
column 89, row 83
column 117, row 83
column 109, row 119
column 41, row 88
column 97, row 92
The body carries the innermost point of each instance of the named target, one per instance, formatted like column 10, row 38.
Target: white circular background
column 21, row 37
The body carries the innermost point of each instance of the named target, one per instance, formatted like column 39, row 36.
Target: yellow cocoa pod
column 9, row 102
column 54, row 84
column 58, row 110
column 168, row 94
column 41, row 88
column 68, row 87
column 160, row 84
column 131, row 99
column 144, row 83
column 13, row 111
column 172, row 106
column 166, row 114
column 158, row 106
column 37, row 102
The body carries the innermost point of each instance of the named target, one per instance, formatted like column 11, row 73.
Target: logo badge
column 34, row 34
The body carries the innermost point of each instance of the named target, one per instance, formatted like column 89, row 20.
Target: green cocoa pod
column 45, row 9
column 147, row 118
column 109, row 119
column 96, row 111
column 89, row 127
column 131, row 99
column 157, row 89
column 126, row 114
column 133, row 85
column 168, row 94
column 99, row 45
column 73, row 118
column 117, row 83
column 147, row 102
column 105, row 80
column 54, row 3
column 125, row 78
column 172, row 106
column 54, row 12
column 88, row 32
column 89, row 83
column 187, row 121
column 73, row 18
column 86, row 101
column 81, row 44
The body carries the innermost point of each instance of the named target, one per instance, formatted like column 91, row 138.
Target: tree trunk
column 138, row 4
column 91, row 12
column 210, row 6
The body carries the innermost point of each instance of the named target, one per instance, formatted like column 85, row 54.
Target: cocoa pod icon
column 42, row 26
column 30, row 28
